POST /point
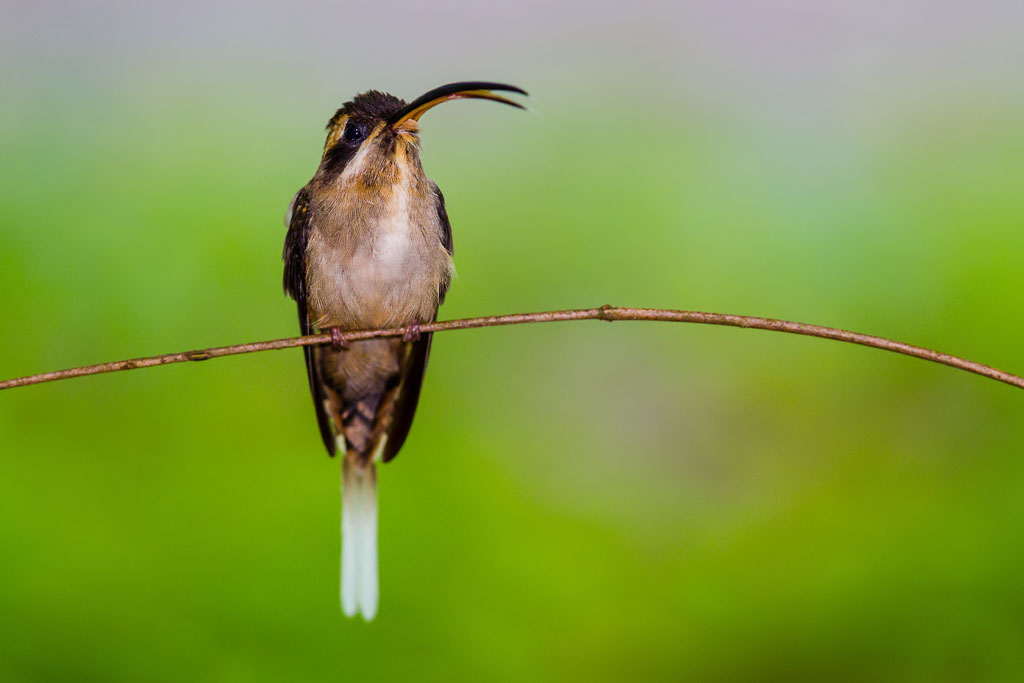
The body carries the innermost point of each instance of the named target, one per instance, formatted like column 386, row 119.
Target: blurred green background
column 577, row 501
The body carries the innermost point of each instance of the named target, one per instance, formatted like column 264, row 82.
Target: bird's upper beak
column 453, row 91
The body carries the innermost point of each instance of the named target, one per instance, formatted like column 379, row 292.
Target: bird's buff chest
column 375, row 259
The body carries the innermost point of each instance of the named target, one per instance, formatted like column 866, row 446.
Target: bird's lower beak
column 405, row 118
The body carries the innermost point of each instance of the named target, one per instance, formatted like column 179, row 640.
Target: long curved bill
column 478, row 90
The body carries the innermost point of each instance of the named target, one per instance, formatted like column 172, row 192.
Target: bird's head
column 374, row 136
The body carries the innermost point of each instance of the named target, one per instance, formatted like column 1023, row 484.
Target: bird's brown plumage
column 369, row 245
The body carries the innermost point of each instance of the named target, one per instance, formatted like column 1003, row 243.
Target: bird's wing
column 295, row 286
column 446, row 236
column 396, row 418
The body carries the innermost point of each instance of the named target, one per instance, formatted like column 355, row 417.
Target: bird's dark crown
column 372, row 104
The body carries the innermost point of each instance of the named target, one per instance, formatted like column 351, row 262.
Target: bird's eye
column 354, row 132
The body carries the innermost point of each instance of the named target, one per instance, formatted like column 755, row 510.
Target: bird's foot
column 412, row 332
column 338, row 341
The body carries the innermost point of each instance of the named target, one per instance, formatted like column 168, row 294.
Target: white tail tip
column 359, row 591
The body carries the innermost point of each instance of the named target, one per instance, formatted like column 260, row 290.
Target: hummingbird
column 368, row 246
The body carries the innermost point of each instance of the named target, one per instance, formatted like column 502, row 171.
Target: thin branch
column 608, row 313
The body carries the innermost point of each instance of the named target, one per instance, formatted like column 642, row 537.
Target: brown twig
column 609, row 313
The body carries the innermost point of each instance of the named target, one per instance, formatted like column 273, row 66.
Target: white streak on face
column 355, row 166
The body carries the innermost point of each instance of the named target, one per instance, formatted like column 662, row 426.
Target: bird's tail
column 359, row 590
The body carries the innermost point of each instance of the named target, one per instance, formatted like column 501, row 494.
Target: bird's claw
column 412, row 333
column 338, row 341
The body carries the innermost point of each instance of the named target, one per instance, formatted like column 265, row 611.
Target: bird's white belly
column 392, row 252
column 390, row 280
